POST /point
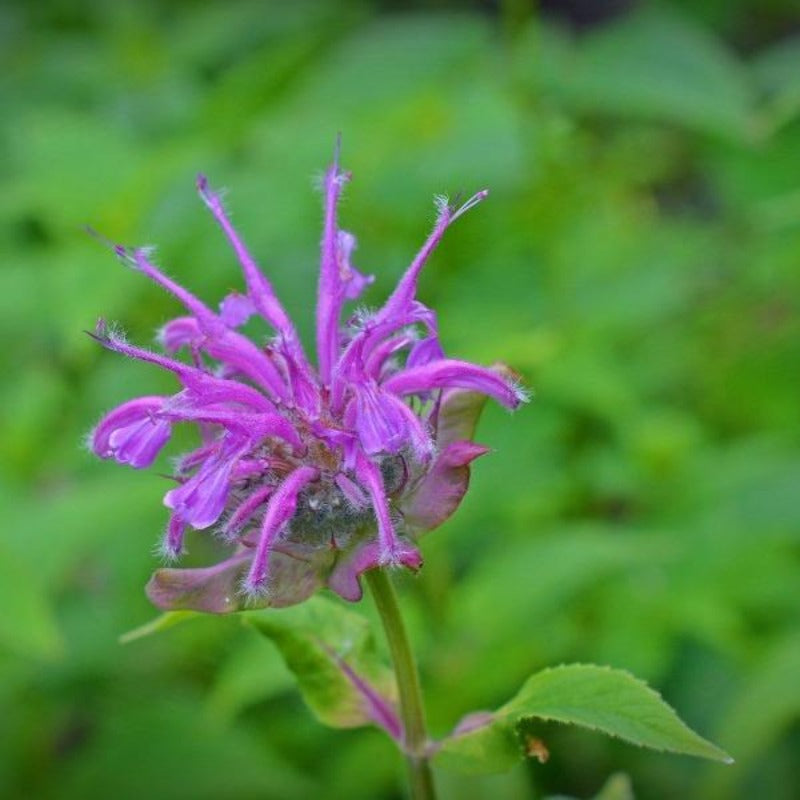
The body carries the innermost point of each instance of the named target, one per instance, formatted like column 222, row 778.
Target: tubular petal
column 180, row 332
column 201, row 500
column 140, row 443
column 254, row 427
column 353, row 281
column 172, row 544
column 235, row 309
column 191, row 377
column 406, row 289
column 245, row 511
column 258, row 287
column 221, row 342
column 424, row 352
column 393, row 551
column 380, row 424
column 130, row 433
column 330, row 290
column 280, row 510
column 447, row 373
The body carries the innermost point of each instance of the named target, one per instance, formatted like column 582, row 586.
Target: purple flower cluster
column 315, row 474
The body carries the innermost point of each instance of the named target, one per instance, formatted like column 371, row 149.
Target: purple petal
column 448, row 373
column 140, row 443
column 353, row 281
column 205, row 390
column 424, row 352
column 303, row 387
column 334, row 437
column 280, row 510
column 356, row 358
column 259, row 288
column 221, row 342
column 191, row 377
column 330, row 291
column 418, row 436
column 180, row 332
column 440, row 492
column 253, row 426
column 131, row 434
column 352, row 491
column 380, row 424
column 201, row 500
column 245, row 357
column 236, row 309
column 194, row 458
column 393, row 551
column 402, row 297
column 172, row 545
column 384, row 351
column 245, row 511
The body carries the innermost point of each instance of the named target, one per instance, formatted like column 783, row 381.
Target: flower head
column 313, row 473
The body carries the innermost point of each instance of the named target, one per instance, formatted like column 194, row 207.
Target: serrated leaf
column 331, row 652
column 608, row 700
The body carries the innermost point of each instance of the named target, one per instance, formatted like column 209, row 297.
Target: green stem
column 411, row 707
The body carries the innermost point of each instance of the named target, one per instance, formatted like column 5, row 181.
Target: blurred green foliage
column 638, row 263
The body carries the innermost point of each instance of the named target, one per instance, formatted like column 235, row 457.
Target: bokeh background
column 638, row 263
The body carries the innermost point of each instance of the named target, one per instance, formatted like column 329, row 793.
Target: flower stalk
column 412, row 709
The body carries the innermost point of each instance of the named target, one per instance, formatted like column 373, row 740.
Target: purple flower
column 314, row 473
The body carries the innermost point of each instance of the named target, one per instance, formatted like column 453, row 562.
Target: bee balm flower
column 314, row 473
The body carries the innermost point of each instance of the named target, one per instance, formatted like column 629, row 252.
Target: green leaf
column 160, row 623
column 653, row 64
column 599, row 698
column 252, row 673
column 331, row 652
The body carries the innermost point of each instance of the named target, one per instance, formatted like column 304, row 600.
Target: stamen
column 471, row 203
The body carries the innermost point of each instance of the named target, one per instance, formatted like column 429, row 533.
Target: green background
column 638, row 262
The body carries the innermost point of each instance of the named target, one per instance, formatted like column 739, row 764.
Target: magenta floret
column 315, row 474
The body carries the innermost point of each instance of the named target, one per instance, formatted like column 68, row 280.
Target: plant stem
column 411, row 707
